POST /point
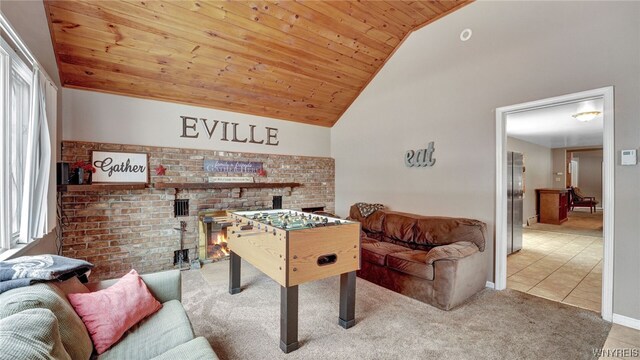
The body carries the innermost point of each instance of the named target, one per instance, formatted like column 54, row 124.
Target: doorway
column 608, row 160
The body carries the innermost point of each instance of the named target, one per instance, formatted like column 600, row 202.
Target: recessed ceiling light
column 586, row 115
column 466, row 34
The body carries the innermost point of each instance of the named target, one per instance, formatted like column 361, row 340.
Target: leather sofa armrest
column 164, row 285
column 453, row 251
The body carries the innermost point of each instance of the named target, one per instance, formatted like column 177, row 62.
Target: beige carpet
column 493, row 325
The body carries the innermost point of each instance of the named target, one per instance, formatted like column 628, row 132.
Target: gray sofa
column 167, row 334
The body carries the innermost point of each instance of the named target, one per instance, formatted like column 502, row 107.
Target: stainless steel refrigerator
column 515, row 194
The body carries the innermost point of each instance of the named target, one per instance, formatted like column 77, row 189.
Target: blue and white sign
column 226, row 166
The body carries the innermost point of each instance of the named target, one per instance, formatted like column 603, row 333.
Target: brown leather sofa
column 437, row 260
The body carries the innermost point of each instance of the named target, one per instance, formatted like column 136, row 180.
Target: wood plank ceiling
column 304, row 61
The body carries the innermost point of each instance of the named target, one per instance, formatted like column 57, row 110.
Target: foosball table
column 292, row 248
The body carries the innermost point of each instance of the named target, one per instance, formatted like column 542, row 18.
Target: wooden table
column 295, row 256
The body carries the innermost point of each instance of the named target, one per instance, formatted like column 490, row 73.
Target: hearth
column 212, row 229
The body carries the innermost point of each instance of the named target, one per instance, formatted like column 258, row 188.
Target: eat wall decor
column 228, row 131
column 113, row 166
column 421, row 157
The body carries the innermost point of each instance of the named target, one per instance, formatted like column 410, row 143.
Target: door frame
column 608, row 154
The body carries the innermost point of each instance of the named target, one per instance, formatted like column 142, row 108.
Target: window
column 15, row 90
column 28, row 109
column 19, row 83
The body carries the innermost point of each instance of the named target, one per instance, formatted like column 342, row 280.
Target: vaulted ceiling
column 304, row 61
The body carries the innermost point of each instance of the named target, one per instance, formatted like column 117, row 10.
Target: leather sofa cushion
column 420, row 232
column 436, row 231
column 411, row 262
column 373, row 222
column 398, row 227
column 453, row 251
column 376, row 252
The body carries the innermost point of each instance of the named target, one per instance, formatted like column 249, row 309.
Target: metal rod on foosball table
column 249, row 233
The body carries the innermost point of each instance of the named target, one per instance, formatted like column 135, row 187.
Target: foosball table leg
column 234, row 273
column 347, row 299
column 289, row 318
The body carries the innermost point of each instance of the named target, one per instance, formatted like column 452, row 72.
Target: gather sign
column 112, row 166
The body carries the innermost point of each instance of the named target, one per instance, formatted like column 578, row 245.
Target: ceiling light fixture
column 586, row 115
column 466, row 34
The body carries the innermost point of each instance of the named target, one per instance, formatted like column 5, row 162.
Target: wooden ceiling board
column 306, row 31
column 303, row 61
column 222, row 48
column 156, row 42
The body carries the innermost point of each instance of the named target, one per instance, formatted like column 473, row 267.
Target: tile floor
column 622, row 343
column 568, row 268
column 560, row 267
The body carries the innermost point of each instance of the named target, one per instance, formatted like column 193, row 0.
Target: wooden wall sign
column 228, row 131
column 421, row 157
column 120, row 167
column 227, row 166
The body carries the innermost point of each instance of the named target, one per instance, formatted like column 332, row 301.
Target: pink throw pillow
column 109, row 313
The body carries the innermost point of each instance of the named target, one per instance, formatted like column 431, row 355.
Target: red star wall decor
column 160, row 170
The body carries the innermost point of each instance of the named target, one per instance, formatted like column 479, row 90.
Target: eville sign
column 228, row 131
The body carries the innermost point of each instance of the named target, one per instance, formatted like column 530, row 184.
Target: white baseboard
column 490, row 285
column 626, row 321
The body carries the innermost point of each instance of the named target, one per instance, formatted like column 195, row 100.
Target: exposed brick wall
column 121, row 230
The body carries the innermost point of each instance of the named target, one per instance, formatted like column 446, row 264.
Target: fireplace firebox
column 212, row 229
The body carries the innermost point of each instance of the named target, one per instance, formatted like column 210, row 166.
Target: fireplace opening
column 180, row 257
column 313, row 209
column 277, row 202
column 212, row 244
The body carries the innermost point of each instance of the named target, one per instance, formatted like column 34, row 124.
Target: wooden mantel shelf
column 102, row 187
column 234, row 185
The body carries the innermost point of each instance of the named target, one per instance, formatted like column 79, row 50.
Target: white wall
column 559, row 168
column 100, row 117
column 35, row 34
column 437, row 88
column 590, row 173
column 29, row 19
column 537, row 175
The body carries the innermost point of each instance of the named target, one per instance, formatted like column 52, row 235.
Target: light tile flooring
column 568, row 268
column 622, row 343
column 560, row 267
